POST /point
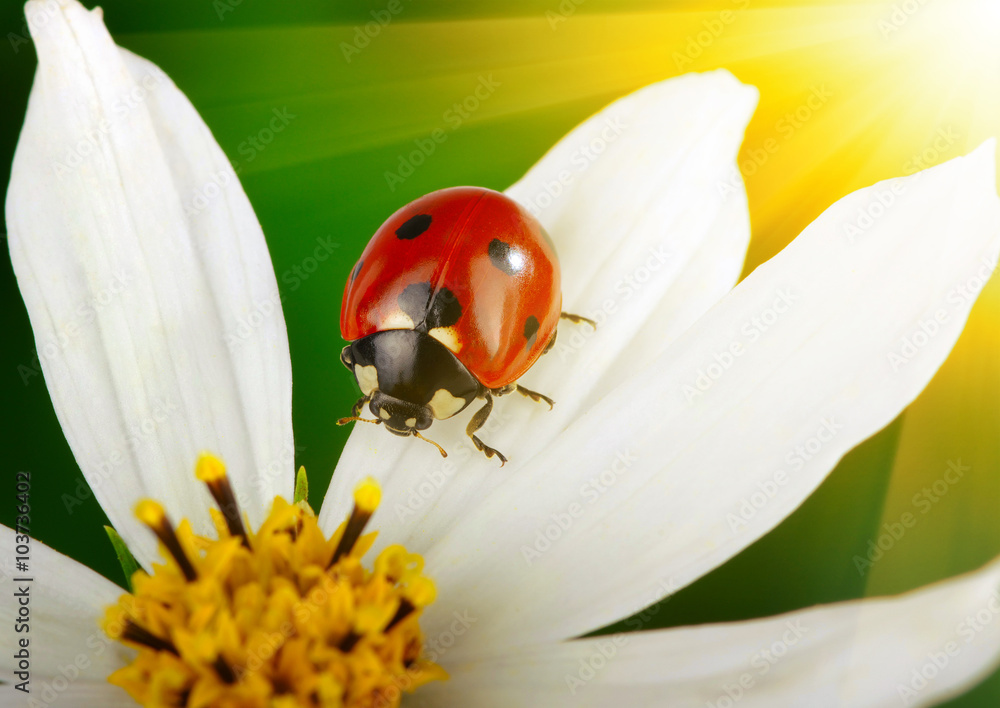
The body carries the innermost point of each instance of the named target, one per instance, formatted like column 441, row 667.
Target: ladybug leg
column 503, row 390
column 478, row 420
column 552, row 342
column 534, row 395
column 577, row 319
column 356, row 408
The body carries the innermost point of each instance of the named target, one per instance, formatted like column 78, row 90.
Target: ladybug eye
column 346, row 358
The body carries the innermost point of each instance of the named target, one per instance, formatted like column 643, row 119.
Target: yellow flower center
column 281, row 618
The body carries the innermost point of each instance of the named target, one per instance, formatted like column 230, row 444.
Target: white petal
column 649, row 217
column 914, row 650
column 66, row 694
column 140, row 260
column 66, row 603
column 661, row 482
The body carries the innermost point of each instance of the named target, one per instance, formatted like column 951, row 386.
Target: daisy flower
column 690, row 423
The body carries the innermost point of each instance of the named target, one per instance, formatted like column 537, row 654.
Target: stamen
column 420, row 593
column 137, row 634
column 348, row 642
column 153, row 515
column 440, row 449
column 405, row 609
column 224, row 670
column 366, row 499
column 211, row 470
column 210, row 636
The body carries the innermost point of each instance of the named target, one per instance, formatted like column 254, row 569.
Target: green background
column 324, row 176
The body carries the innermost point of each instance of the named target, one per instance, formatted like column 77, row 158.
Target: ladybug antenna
column 351, row 419
column 440, row 449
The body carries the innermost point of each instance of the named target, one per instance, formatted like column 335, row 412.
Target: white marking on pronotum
column 397, row 320
column 367, row 377
column 448, row 337
column 444, row 405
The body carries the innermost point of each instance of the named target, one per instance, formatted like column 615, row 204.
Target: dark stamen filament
column 164, row 530
column 224, row 670
column 140, row 635
column 222, row 492
column 405, row 608
column 348, row 642
column 352, row 532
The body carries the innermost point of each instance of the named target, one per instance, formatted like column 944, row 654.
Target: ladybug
column 455, row 297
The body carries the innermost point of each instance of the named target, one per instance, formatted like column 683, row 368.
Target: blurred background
column 851, row 93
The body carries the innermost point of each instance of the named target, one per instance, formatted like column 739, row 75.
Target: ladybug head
column 399, row 417
column 408, row 379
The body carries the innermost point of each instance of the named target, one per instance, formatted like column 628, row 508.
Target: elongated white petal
column 147, row 281
column 914, row 650
column 649, row 217
column 695, row 457
column 65, row 602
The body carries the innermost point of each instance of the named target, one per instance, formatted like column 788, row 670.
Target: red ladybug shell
column 471, row 267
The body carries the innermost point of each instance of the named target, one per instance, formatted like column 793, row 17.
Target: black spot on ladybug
column 531, row 330
column 505, row 257
column 427, row 314
column 445, row 309
column 357, row 269
column 414, row 299
column 414, row 226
